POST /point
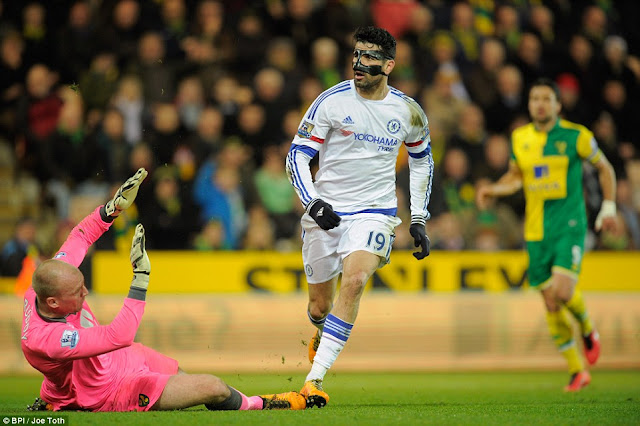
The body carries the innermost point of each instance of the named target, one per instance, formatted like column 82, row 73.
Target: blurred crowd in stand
column 207, row 95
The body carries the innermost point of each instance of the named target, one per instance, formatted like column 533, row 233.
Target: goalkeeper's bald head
column 60, row 288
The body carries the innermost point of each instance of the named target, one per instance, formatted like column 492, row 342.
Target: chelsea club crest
column 393, row 126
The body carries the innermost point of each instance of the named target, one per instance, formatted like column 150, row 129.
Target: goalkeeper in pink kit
column 93, row 367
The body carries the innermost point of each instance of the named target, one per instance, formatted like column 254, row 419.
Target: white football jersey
column 358, row 141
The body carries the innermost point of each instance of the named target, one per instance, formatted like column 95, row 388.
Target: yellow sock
column 578, row 309
column 573, row 359
column 560, row 330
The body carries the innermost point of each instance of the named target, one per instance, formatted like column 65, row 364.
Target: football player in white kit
column 356, row 128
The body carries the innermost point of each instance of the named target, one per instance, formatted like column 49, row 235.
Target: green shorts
column 563, row 251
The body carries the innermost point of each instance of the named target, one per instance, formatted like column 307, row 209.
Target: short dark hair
column 543, row 81
column 378, row 36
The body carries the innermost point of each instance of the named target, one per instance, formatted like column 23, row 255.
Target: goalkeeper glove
column 607, row 210
column 125, row 196
column 322, row 212
column 420, row 239
column 139, row 260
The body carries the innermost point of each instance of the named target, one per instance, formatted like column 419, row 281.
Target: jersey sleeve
column 418, row 145
column 82, row 236
column 313, row 129
column 587, row 146
column 60, row 341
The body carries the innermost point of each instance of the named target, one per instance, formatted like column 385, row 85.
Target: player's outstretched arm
column 120, row 333
column 125, row 196
column 508, row 184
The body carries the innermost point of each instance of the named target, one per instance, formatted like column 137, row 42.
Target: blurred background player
column 546, row 161
column 91, row 367
column 18, row 247
column 356, row 127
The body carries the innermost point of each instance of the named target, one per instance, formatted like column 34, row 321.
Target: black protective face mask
column 371, row 69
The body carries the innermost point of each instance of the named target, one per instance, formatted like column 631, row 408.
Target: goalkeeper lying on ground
column 88, row 366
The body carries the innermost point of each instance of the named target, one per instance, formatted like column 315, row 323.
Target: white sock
column 335, row 336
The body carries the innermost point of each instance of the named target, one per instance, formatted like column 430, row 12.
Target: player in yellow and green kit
column 546, row 162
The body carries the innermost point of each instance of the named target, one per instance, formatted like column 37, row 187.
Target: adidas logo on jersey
column 348, row 120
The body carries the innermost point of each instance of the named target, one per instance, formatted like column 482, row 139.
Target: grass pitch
column 613, row 398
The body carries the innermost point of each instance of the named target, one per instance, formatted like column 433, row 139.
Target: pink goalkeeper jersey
column 83, row 363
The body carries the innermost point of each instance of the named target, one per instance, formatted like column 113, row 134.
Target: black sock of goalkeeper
column 232, row 403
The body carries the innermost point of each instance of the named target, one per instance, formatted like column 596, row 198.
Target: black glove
column 420, row 239
column 323, row 214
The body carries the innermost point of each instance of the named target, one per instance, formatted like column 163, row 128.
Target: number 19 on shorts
column 378, row 241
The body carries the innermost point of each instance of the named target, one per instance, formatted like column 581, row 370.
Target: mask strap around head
column 371, row 69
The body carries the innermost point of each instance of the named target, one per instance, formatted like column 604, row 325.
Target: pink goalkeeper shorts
column 141, row 389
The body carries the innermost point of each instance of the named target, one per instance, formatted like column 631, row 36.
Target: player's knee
column 550, row 300
column 565, row 292
column 552, row 305
column 356, row 279
column 320, row 309
column 217, row 388
column 562, row 287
